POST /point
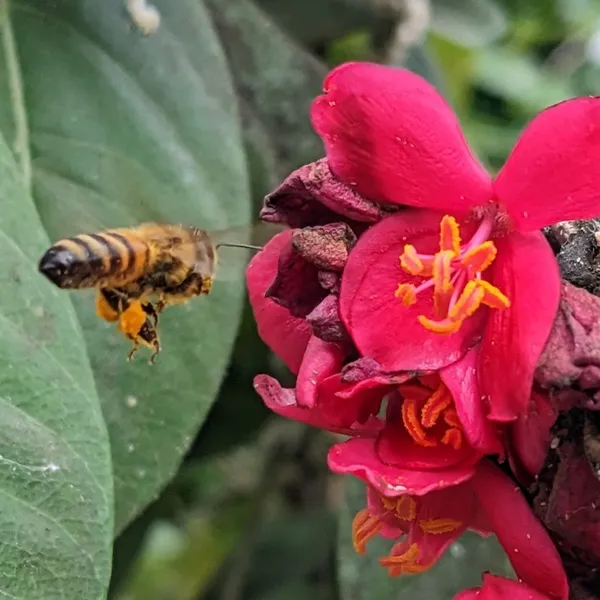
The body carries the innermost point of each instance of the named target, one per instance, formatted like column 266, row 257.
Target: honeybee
column 137, row 272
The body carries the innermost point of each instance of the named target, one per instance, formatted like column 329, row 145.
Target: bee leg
column 132, row 351
column 161, row 304
column 138, row 323
column 156, row 352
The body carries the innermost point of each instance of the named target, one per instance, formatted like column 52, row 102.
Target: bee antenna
column 246, row 246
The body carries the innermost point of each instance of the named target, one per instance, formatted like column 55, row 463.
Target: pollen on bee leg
column 407, row 293
column 104, row 310
column 207, row 283
column 365, row 526
column 132, row 320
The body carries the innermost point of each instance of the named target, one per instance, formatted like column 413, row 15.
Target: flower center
column 409, row 555
column 454, row 273
column 429, row 415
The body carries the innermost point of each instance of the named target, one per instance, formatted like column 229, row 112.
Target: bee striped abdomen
column 87, row 260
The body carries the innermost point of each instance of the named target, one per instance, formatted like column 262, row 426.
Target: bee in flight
column 137, row 272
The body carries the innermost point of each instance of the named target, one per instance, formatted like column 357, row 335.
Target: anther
column 407, row 293
column 439, row 526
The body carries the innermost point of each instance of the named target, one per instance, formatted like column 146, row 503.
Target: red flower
column 427, row 525
column 468, row 264
column 432, row 435
column 500, row 588
column 285, row 334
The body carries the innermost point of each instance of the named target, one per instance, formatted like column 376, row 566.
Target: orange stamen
column 451, row 418
column 437, row 402
column 450, row 235
column 439, row 526
column 410, row 261
column 413, row 425
column 480, row 257
column 493, row 297
column 406, row 508
column 453, row 438
column 410, row 556
column 365, row 526
column 407, row 293
column 468, row 302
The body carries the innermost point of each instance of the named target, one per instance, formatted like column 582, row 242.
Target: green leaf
column 471, row 23
column 362, row 578
column 126, row 128
column 56, row 496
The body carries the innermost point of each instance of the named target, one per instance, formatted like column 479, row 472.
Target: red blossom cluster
column 413, row 296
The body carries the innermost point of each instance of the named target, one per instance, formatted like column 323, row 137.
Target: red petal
column 526, row 271
column 347, row 403
column 461, row 379
column 524, row 539
column 380, row 325
column 321, row 360
column 531, row 433
column 283, row 402
column 358, row 457
column 388, row 133
column 499, row 588
column 552, row 173
column 284, row 334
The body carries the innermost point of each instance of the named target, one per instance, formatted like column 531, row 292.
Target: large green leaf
column 56, row 497
column 362, row 578
column 126, row 128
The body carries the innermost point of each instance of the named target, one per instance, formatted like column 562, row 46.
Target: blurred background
column 253, row 513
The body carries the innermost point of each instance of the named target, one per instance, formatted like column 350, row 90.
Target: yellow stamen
column 445, row 326
column 493, row 297
column 450, row 235
column 480, row 257
column 410, row 262
column 407, row 293
column 442, row 264
column 468, row 302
